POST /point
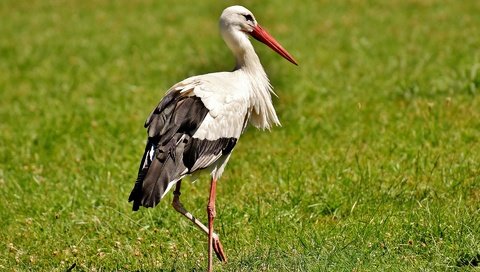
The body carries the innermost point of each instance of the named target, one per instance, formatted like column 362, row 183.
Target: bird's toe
column 218, row 248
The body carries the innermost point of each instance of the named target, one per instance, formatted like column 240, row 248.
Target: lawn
column 376, row 166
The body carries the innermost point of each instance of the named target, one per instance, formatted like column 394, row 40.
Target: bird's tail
column 136, row 194
column 161, row 167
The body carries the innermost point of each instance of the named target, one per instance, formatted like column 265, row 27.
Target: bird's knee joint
column 177, row 205
column 211, row 211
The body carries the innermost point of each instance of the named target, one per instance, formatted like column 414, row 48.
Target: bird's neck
column 263, row 113
column 247, row 59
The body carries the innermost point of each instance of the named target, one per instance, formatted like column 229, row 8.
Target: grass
column 376, row 166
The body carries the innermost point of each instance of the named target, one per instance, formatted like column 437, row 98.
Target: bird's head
column 238, row 19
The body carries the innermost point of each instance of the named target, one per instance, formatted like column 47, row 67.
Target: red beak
column 261, row 35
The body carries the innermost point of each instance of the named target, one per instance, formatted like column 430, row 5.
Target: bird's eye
column 248, row 17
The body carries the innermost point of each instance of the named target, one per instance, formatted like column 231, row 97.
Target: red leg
column 211, row 216
column 217, row 246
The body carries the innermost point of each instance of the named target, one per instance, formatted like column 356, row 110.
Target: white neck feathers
column 263, row 113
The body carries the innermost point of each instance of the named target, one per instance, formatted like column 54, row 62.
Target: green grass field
column 376, row 166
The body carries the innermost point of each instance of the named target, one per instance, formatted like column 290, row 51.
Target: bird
column 198, row 122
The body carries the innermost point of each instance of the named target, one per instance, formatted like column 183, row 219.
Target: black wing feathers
column 175, row 118
column 171, row 151
column 142, row 172
column 166, row 166
column 201, row 151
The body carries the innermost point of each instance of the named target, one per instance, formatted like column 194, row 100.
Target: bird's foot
column 217, row 247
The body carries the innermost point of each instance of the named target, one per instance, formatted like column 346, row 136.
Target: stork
column 197, row 124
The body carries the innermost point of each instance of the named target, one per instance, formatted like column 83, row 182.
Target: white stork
column 198, row 122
